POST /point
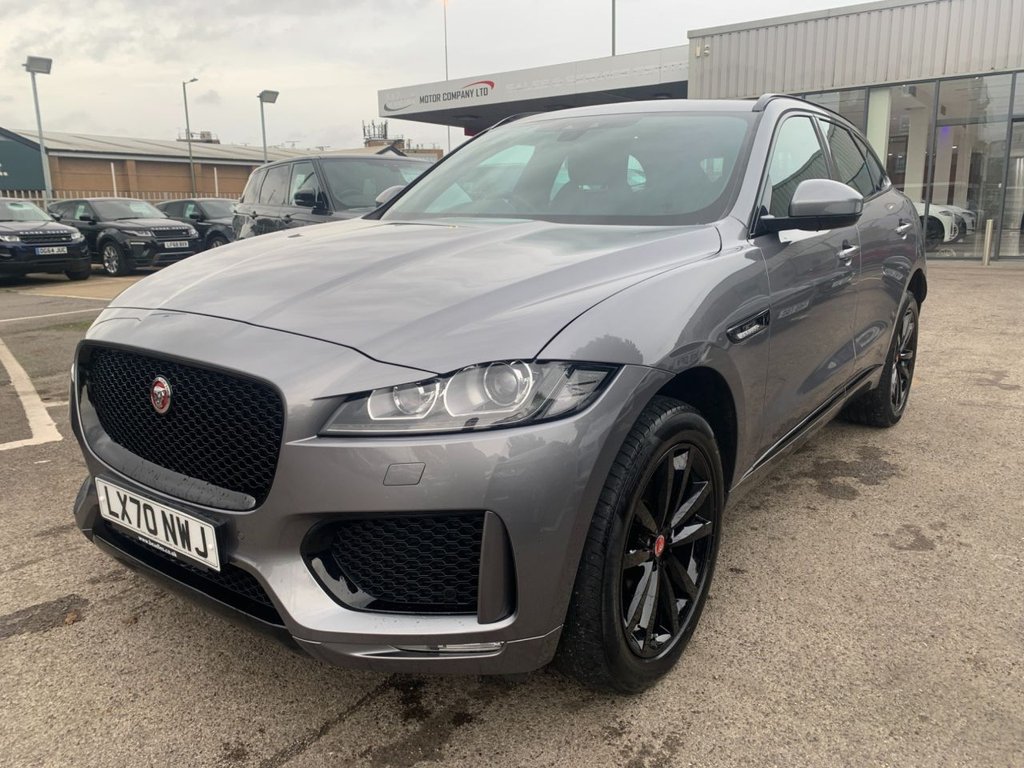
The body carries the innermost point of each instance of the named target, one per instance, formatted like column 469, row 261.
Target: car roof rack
column 764, row 99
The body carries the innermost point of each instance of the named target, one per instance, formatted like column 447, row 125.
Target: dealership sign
column 474, row 90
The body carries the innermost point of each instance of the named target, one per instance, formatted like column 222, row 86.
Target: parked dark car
column 211, row 216
column 31, row 241
column 495, row 422
column 122, row 234
column 317, row 189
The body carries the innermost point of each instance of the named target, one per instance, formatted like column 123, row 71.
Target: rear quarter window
column 252, row 187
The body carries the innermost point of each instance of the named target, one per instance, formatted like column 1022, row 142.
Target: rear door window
column 851, row 167
column 275, row 187
column 172, row 209
column 878, row 177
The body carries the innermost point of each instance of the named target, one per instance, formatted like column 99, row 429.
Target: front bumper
column 23, row 259
column 147, row 252
column 542, row 482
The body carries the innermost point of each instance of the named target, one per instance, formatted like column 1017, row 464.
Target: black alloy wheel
column 648, row 560
column 216, row 241
column 884, row 405
column 669, row 544
column 904, row 353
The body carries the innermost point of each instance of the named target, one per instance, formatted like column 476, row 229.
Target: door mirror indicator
column 818, row 204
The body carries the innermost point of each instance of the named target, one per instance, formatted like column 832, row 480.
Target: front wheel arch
column 708, row 391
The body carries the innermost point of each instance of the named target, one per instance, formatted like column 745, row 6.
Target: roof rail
column 764, row 99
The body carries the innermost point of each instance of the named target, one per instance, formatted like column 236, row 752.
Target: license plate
column 51, row 250
column 166, row 529
column 176, row 244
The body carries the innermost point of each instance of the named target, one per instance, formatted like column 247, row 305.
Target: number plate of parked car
column 160, row 526
column 51, row 250
column 176, row 244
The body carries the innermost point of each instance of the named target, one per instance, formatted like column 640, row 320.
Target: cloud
column 208, row 97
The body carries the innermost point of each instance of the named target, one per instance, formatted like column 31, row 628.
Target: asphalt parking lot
column 868, row 607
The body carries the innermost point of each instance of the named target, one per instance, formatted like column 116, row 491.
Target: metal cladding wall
column 892, row 41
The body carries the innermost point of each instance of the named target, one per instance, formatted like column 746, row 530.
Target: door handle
column 847, row 252
column 904, row 227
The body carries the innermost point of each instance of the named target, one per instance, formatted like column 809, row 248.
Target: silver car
column 495, row 422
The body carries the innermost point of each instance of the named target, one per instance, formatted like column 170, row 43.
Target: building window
column 850, row 104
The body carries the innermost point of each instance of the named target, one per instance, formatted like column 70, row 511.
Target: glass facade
column 956, row 148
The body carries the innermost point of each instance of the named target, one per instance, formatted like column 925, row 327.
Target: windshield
column 126, row 209
column 13, row 210
column 355, row 182
column 648, row 168
column 218, row 209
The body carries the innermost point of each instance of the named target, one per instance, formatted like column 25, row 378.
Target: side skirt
column 803, row 431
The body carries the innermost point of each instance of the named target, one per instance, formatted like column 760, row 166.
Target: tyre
column 934, row 233
column 79, row 274
column 216, row 241
column 115, row 263
column 649, row 555
column 884, row 405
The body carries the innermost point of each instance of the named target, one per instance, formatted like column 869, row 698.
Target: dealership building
column 937, row 86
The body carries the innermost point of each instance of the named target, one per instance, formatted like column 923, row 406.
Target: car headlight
column 10, row 239
column 138, row 232
column 498, row 394
column 77, row 237
column 192, row 232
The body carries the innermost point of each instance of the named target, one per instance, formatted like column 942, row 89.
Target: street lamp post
column 613, row 27
column 37, row 65
column 265, row 97
column 445, row 4
column 188, row 132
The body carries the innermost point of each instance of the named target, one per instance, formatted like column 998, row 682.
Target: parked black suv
column 122, row 234
column 31, row 241
column 315, row 189
column 210, row 216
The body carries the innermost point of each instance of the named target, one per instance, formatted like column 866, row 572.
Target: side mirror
column 86, row 217
column 55, row 216
column 388, row 194
column 305, row 198
column 196, row 216
column 818, row 204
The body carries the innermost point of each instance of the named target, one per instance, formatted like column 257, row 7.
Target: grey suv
column 318, row 189
column 496, row 421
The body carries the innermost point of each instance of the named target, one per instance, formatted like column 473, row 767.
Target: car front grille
column 220, row 428
column 230, row 585
column 411, row 563
column 170, row 233
column 45, row 238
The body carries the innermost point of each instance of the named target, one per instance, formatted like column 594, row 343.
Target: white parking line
column 52, row 314
column 65, row 296
column 39, row 422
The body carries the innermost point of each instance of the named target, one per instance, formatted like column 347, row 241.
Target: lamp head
column 38, row 64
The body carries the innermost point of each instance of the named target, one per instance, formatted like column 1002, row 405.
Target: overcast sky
column 118, row 64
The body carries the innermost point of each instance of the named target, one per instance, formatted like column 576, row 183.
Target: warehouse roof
column 60, row 144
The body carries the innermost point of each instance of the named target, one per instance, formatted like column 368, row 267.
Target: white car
column 939, row 215
column 969, row 217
